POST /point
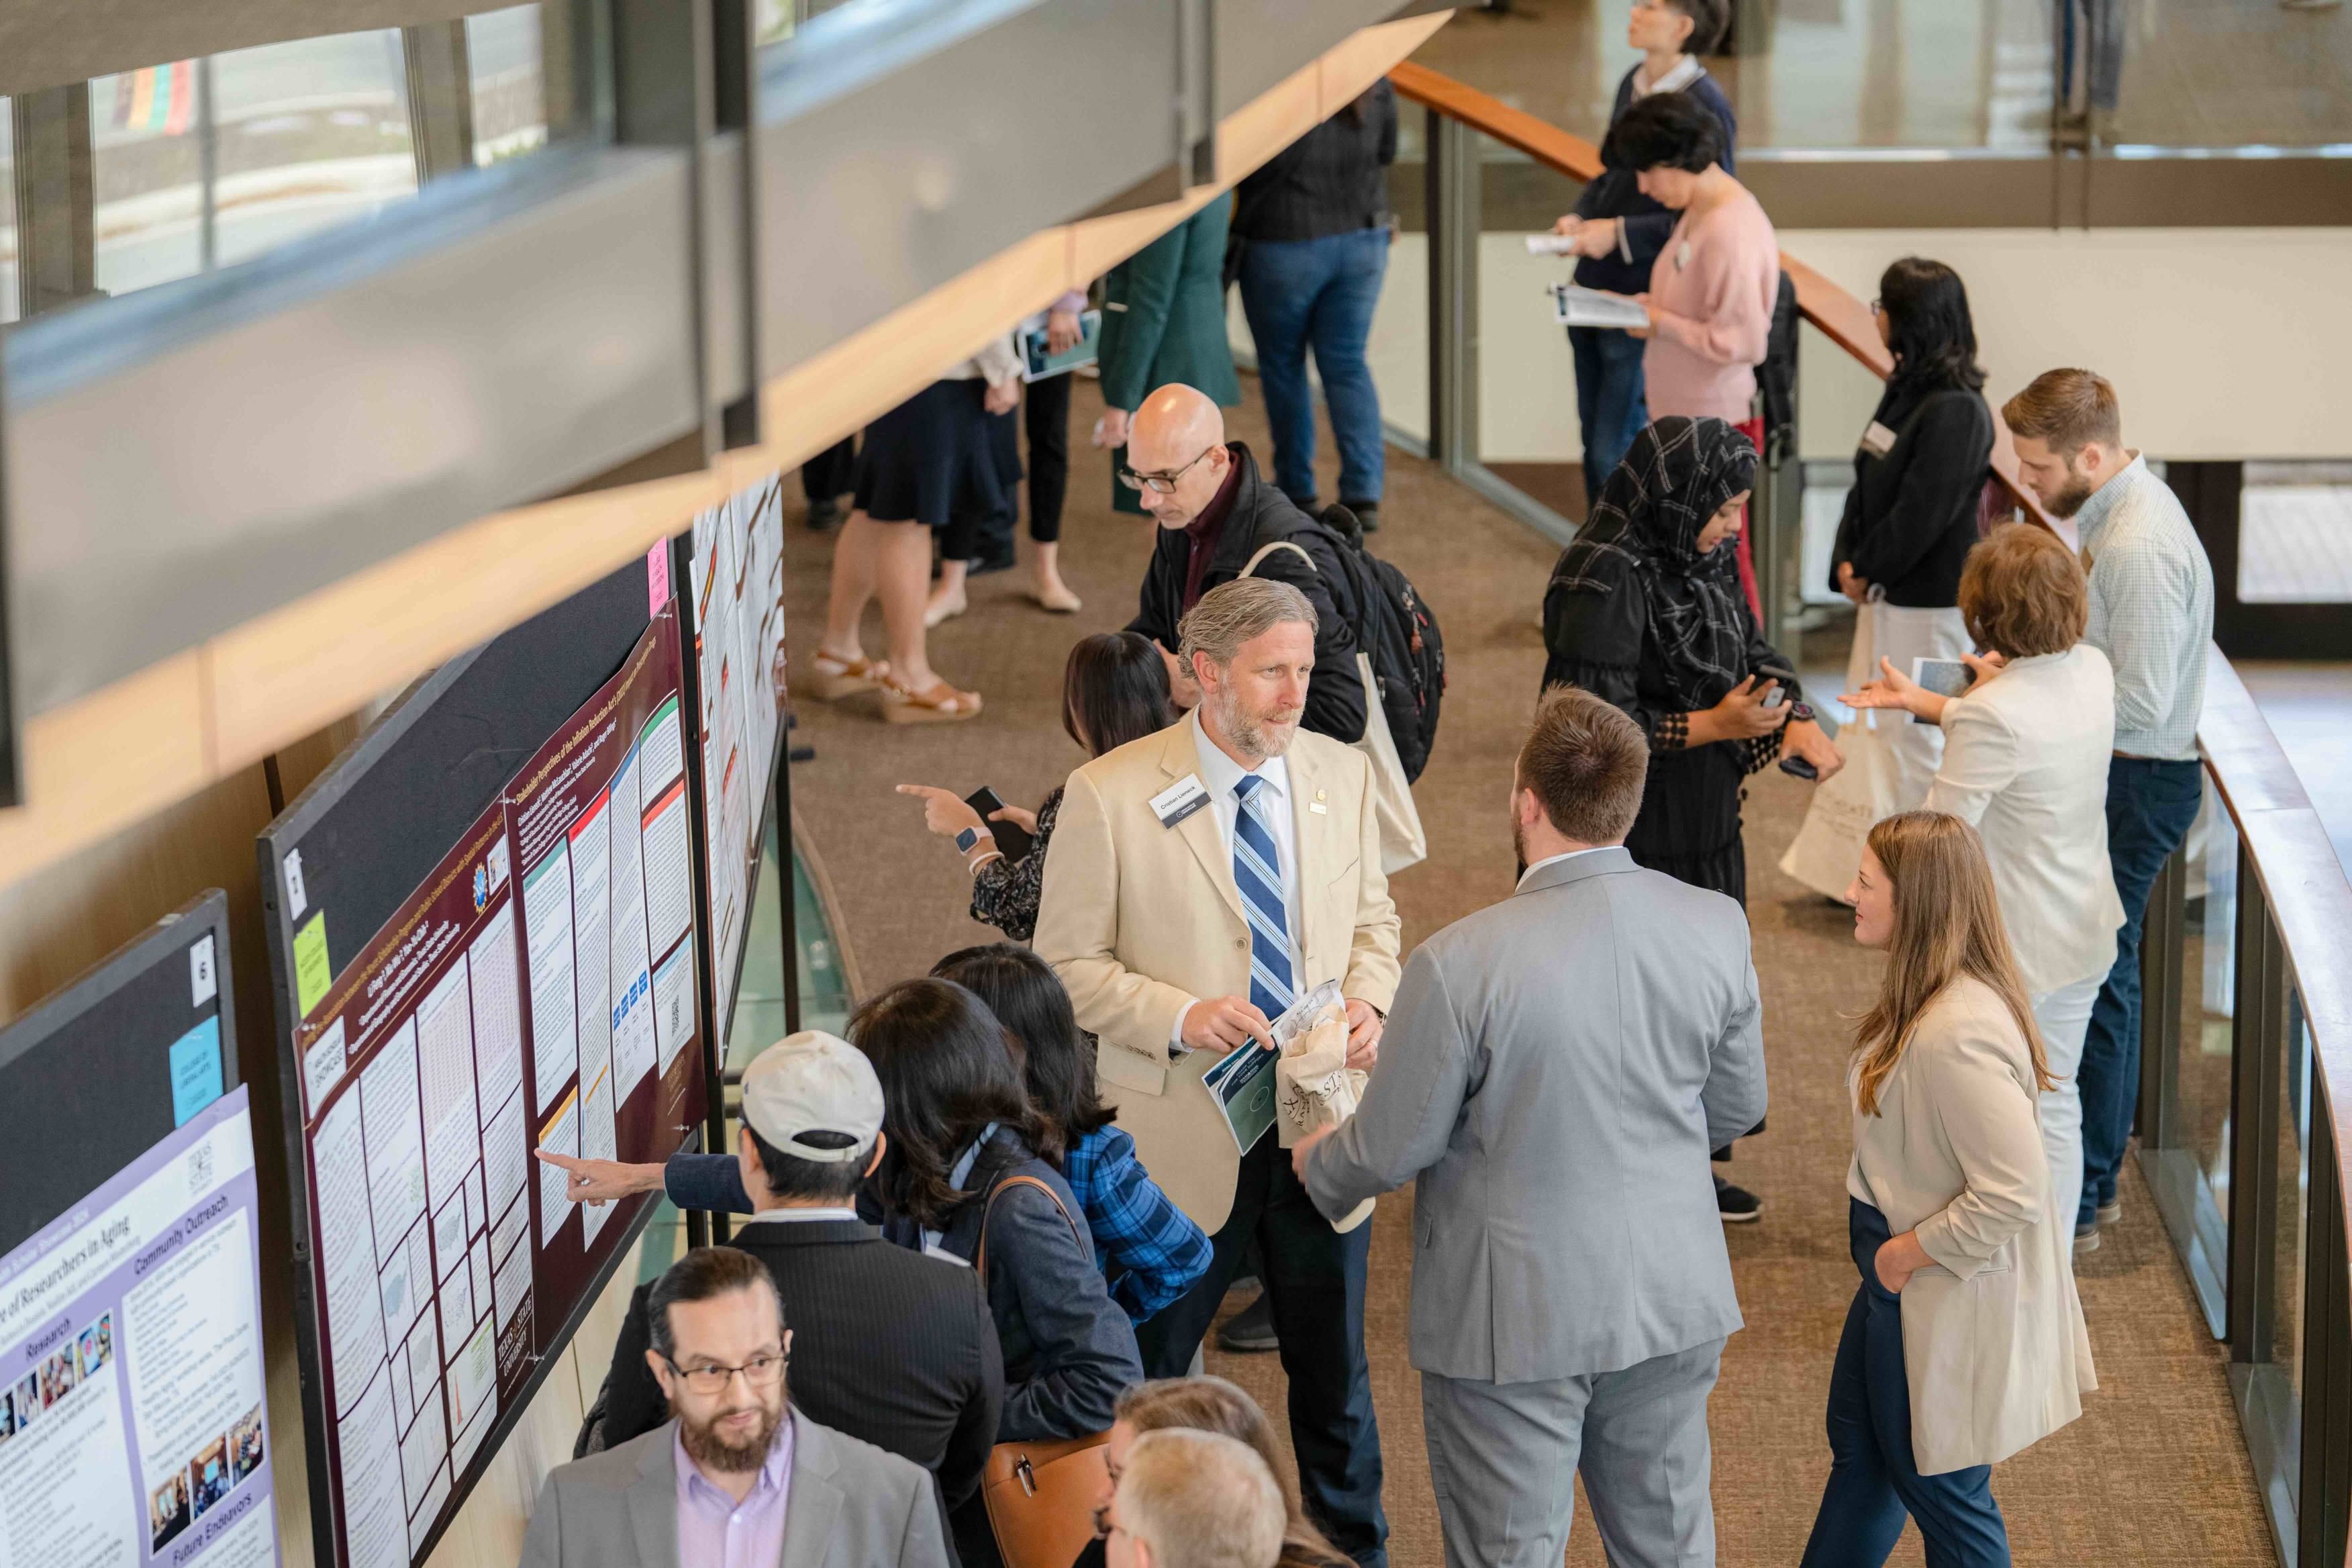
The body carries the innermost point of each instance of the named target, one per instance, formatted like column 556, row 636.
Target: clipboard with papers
column 1575, row 306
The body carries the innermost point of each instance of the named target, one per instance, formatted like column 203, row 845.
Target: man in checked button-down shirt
column 2152, row 616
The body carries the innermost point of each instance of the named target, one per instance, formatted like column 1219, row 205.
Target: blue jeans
column 1319, row 293
column 2151, row 805
column 1872, row 1484
column 1612, row 399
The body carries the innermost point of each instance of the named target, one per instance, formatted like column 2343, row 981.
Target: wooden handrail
column 1842, row 319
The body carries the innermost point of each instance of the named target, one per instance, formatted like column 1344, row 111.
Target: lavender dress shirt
column 714, row 1531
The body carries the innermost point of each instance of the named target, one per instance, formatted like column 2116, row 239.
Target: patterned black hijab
column 1650, row 513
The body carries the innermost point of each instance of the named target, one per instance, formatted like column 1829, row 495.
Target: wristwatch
column 1801, row 711
column 966, row 839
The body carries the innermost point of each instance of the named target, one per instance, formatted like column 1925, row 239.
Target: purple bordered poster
column 133, row 1428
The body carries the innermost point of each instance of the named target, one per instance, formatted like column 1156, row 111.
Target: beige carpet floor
column 2154, row 1473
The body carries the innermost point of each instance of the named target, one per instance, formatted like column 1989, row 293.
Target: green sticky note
column 312, row 972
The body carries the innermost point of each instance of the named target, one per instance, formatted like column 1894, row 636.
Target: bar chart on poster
column 133, row 1423
column 532, row 988
column 737, row 580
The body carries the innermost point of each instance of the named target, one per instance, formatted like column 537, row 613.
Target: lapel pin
column 1317, row 808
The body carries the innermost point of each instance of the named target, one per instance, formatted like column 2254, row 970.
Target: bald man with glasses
column 1215, row 514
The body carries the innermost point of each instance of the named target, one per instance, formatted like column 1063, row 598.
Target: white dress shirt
column 798, row 1215
column 1219, row 774
column 2152, row 609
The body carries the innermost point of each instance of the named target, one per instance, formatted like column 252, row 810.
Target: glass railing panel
column 1529, row 434
column 197, row 164
column 1970, row 75
column 2237, row 76
column 2207, row 1013
column 2291, row 1149
column 9, row 245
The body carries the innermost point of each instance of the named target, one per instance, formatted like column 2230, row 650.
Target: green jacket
column 1164, row 315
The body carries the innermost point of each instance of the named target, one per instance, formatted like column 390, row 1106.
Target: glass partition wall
column 2235, row 1133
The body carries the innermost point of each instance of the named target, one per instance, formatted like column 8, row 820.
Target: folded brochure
column 1243, row 1081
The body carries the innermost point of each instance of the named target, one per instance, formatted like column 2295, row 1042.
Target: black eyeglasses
column 759, row 1371
column 1161, row 484
column 1878, row 306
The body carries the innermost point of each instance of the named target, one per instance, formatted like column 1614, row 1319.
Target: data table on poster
column 133, row 1421
column 536, row 991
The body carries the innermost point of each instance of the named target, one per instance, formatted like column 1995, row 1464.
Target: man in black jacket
column 887, row 1344
column 1216, row 513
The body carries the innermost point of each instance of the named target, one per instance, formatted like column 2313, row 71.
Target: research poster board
column 736, row 584
column 533, row 986
column 134, row 1427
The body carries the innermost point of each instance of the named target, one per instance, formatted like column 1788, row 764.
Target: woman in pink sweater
column 1712, row 288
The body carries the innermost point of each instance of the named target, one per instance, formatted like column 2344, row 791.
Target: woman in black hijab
column 1644, row 609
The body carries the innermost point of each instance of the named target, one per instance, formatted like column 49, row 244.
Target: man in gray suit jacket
column 737, row 1476
column 1555, row 1070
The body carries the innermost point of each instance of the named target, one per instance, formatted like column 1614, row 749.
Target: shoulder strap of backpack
column 979, row 1260
column 1265, row 550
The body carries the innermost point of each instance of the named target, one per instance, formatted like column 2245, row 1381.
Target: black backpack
column 1776, row 376
column 1394, row 625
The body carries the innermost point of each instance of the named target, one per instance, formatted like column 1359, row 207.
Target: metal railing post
column 1453, row 208
column 2327, row 1459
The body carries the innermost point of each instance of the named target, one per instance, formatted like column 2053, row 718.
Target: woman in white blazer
column 2025, row 762
column 1966, row 1341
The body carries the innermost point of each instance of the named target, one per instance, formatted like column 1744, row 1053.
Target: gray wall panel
column 904, row 145
column 259, row 448
column 1257, row 44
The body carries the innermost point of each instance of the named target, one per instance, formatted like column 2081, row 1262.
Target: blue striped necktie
column 1257, row 872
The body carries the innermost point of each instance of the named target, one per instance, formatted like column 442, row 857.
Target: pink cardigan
column 1713, row 285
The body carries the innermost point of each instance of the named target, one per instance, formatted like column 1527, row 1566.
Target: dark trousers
column 1045, row 415
column 831, row 472
column 1611, row 400
column 2151, row 805
column 1314, row 1280
column 1872, row 1484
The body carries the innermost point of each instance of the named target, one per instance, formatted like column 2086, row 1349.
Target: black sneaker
column 823, row 516
column 1251, row 1329
column 1737, row 1206
column 1368, row 514
column 988, row 564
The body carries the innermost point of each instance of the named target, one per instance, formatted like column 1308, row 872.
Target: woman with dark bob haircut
column 963, row 1177
column 1114, row 690
column 1149, row 1251
column 1910, row 521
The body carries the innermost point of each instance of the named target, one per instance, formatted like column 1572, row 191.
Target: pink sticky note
column 657, row 577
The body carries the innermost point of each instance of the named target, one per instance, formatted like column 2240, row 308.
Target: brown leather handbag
column 1041, row 1496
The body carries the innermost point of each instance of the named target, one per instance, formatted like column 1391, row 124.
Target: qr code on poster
column 200, row 1169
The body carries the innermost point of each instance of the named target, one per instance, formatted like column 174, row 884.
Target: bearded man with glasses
column 736, row 1478
column 1216, row 514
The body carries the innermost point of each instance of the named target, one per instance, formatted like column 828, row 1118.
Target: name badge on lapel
column 1316, row 805
column 1179, row 800
column 1877, row 439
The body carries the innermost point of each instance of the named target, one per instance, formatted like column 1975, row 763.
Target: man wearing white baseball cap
column 888, row 1345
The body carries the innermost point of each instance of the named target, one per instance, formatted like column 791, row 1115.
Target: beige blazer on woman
column 1993, row 1339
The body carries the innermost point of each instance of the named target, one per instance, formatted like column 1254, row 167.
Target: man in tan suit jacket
column 1197, row 881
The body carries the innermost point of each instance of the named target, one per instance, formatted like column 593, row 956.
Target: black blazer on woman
column 1911, row 517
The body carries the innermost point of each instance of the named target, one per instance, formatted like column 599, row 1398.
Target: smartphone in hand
column 1011, row 842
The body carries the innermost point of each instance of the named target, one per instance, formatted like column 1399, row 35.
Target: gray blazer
column 851, row 1505
column 1555, row 1071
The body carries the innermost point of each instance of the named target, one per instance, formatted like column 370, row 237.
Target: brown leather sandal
column 938, row 703
column 832, row 677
